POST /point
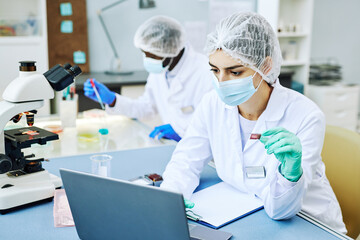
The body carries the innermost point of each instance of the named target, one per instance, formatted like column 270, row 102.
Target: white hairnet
column 248, row 38
column 160, row 35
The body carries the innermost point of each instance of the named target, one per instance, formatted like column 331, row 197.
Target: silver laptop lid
column 105, row 208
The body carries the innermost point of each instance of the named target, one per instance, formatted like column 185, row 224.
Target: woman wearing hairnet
column 245, row 58
column 178, row 79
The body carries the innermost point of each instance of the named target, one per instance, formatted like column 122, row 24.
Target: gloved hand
column 165, row 131
column 188, row 203
column 107, row 96
column 286, row 147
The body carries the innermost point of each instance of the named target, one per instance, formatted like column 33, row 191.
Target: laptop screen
column 114, row 209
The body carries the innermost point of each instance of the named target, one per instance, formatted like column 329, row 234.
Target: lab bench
column 37, row 222
column 124, row 133
column 114, row 82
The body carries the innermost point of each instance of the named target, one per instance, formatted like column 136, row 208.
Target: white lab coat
column 215, row 133
column 173, row 103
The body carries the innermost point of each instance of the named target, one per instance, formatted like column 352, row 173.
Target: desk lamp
column 116, row 63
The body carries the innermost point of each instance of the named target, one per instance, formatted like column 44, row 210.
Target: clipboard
column 221, row 204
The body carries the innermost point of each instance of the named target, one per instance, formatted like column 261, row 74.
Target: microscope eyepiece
column 60, row 77
column 67, row 66
column 73, row 70
column 76, row 70
column 27, row 66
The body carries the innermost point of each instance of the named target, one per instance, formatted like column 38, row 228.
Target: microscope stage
column 24, row 137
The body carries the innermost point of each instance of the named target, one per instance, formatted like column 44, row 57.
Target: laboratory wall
column 336, row 34
column 123, row 20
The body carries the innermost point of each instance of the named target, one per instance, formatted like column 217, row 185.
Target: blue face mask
column 237, row 91
column 153, row 65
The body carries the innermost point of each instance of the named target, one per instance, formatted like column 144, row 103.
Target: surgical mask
column 154, row 65
column 237, row 91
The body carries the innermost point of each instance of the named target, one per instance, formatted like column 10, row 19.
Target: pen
column 72, row 92
column 64, row 94
column 97, row 93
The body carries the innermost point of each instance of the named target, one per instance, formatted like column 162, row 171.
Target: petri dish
column 88, row 137
column 53, row 128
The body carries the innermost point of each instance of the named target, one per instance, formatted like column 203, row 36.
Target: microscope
column 23, row 181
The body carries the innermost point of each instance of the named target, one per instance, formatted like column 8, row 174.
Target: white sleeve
column 283, row 199
column 142, row 107
column 192, row 153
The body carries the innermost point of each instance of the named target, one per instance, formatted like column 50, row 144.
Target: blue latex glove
column 107, row 96
column 165, row 131
column 188, row 203
column 286, row 147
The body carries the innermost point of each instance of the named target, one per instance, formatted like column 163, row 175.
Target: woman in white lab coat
column 178, row 79
column 284, row 167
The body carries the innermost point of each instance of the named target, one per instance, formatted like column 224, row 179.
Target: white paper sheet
column 222, row 203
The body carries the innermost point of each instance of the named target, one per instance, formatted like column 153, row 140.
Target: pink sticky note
column 62, row 212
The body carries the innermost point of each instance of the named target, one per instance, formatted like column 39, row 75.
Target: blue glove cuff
column 112, row 97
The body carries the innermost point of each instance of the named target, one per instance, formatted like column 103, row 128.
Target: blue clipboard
column 196, row 218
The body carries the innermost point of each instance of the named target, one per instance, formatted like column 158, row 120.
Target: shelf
column 293, row 63
column 291, row 34
column 21, row 40
column 295, row 46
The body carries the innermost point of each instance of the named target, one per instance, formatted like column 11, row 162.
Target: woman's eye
column 236, row 73
column 214, row 70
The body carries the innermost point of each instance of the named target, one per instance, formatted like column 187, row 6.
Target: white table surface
column 124, row 133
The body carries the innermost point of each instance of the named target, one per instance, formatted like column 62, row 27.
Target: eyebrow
column 229, row 68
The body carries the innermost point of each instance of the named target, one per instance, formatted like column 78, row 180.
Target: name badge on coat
column 188, row 109
column 255, row 172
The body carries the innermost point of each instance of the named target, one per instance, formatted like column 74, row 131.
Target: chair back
column 341, row 155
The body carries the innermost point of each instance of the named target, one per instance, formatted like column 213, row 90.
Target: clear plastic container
column 101, row 165
column 68, row 112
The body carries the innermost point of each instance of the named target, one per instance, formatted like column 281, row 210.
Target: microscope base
column 26, row 189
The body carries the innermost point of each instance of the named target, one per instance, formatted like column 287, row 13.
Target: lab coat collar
column 233, row 126
column 178, row 84
column 177, row 69
column 274, row 111
column 183, row 63
column 277, row 104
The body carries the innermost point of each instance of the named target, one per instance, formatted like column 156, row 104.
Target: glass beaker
column 101, row 164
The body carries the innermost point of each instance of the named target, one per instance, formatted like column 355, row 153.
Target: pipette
column 97, row 93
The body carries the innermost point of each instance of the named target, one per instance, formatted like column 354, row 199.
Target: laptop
column 106, row 208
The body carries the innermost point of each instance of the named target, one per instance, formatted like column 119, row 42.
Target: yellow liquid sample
column 88, row 137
